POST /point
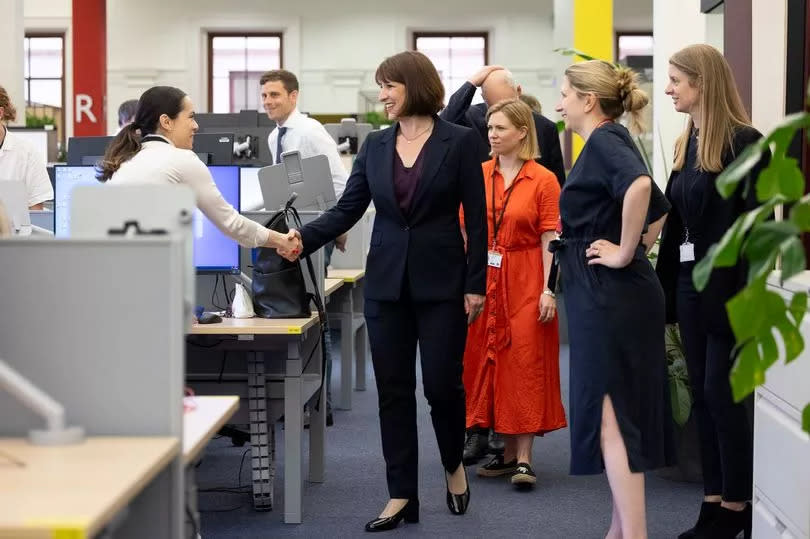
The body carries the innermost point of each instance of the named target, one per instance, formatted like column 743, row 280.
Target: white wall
column 11, row 69
column 333, row 47
column 768, row 62
column 692, row 27
column 55, row 16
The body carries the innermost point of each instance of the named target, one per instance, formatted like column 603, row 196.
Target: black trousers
column 724, row 427
column 440, row 329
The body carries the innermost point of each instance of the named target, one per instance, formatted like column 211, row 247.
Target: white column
column 669, row 38
column 768, row 62
column 12, row 32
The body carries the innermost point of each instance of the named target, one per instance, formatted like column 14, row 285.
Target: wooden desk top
column 348, row 275
column 330, row 286
column 75, row 490
column 256, row 326
column 201, row 423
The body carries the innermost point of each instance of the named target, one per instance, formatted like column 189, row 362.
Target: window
column 44, row 71
column 636, row 50
column 236, row 62
column 456, row 56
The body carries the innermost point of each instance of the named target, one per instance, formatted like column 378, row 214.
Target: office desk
column 74, row 491
column 301, row 374
column 199, row 425
column 331, row 286
column 346, row 307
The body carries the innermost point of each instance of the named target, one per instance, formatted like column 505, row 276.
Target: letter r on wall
column 83, row 105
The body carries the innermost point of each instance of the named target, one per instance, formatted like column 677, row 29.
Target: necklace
column 409, row 140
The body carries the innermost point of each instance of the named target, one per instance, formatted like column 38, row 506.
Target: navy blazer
column 425, row 246
column 459, row 111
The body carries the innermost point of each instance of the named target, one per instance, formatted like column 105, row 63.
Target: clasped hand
column 290, row 245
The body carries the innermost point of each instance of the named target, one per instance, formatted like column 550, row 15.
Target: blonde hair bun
column 632, row 97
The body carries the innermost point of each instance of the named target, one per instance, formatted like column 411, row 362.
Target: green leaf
column 574, row 52
column 791, row 181
column 728, row 249
column 560, row 126
column 752, row 311
column 760, row 268
column 737, row 171
column 746, row 374
column 798, row 307
column 800, row 216
column 791, row 339
column 806, row 419
column 767, row 183
column 793, row 259
column 766, row 237
column 681, row 401
column 703, row 269
column 769, row 350
column 783, row 134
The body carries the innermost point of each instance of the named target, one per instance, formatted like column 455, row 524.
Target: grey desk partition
column 98, row 324
column 309, row 178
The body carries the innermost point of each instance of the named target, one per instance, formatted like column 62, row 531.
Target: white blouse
column 162, row 163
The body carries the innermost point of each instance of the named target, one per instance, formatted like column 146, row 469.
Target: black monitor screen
column 86, row 150
column 214, row 148
column 213, row 250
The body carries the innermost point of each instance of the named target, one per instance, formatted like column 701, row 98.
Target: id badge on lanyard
column 494, row 259
column 687, row 249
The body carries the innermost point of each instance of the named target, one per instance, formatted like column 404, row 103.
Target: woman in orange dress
column 511, row 359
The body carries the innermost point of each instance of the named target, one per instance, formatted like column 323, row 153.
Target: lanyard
column 686, row 191
column 154, row 138
column 497, row 221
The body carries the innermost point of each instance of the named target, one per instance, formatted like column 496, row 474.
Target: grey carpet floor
column 561, row 506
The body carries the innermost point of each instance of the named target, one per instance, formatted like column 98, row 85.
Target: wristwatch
column 550, row 293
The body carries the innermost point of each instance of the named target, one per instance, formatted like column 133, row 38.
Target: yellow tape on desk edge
column 61, row 529
column 293, row 330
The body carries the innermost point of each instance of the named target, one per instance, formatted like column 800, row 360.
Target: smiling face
column 504, row 137
column 277, row 101
column 572, row 106
column 685, row 96
column 180, row 129
column 392, row 96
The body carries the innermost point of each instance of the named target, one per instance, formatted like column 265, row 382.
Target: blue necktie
column 281, row 131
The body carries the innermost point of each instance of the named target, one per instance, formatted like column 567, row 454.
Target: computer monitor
column 250, row 194
column 42, row 219
column 310, row 179
column 348, row 134
column 66, row 179
column 214, row 252
column 14, row 195
column 86, row 150
column 214, row 148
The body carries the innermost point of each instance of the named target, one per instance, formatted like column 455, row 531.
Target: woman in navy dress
column 619, row 402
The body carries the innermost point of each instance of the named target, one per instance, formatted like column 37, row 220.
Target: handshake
column 289, row 245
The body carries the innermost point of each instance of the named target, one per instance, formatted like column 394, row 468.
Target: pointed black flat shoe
column 457, row 503
column 409, row 513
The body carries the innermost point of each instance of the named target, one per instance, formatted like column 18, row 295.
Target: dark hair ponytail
column 154, row 103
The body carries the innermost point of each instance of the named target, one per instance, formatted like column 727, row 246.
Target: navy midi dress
column 615, row 316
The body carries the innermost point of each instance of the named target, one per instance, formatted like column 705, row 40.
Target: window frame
column 437, row 33
column 215, row 34
column 27, row 80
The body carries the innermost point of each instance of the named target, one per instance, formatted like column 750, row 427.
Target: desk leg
column 360, row 349
column 317, row 436
column 293, row 436
column 346, row 355
column 261, row 452
column 191, row 502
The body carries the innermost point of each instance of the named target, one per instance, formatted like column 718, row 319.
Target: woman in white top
column 19, row 160
column 156, row 149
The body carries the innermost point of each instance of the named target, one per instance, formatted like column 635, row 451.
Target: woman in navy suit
column 421, row 285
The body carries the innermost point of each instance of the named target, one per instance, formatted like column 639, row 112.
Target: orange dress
column 511, row 359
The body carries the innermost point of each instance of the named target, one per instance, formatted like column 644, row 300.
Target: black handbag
column 279, row 289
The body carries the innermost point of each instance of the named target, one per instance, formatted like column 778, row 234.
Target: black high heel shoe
column 457, row 503
column 408, row 513
column 727, row 524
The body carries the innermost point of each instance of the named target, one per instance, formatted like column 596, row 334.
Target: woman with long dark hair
column 156, row 149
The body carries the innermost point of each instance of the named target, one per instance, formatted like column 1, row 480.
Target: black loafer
column 409, row 513
column 496, row 467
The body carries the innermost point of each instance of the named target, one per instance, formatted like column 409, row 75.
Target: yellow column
column 593, row 35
